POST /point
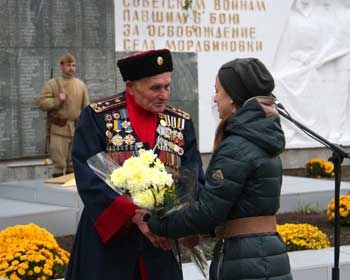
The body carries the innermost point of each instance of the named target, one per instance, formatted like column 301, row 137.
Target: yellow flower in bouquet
column 30, row 252
column 344, row 209
column 144, row 178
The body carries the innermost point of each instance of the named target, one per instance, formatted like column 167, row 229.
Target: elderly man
column 110, row 242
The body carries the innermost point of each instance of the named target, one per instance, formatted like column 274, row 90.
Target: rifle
column 48, row 124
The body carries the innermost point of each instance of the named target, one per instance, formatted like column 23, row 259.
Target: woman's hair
column 219, row 134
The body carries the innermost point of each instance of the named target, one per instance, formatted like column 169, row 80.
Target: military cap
column 145, row 64
column 67, row 58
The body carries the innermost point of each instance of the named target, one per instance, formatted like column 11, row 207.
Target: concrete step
column 56, row 219
column 308, row 264
column 318, row 264
column 299, row 193
column 58, row 209
column 52, row 206
column 38, row 191
column 25, row 169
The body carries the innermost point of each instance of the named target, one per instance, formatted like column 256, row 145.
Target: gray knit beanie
column 243, row 78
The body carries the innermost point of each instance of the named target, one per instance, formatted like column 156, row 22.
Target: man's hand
column 157, row 241
column 190, row 241
column 62, row 96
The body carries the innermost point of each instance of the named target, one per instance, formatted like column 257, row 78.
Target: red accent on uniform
column 143, row 122
column 118, row 213
column 142, row 268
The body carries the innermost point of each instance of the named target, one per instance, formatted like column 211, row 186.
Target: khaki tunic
column 77, row 98
column 61, row 135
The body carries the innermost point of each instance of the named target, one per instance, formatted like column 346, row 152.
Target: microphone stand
column 338, row 155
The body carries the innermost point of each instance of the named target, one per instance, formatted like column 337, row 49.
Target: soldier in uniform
column 62, row 98
column 111, row 243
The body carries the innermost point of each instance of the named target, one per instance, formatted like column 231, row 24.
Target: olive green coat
column 250, row 185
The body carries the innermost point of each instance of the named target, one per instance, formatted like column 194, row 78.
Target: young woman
column 241, row 195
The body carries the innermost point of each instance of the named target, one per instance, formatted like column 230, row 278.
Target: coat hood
column 258, row 121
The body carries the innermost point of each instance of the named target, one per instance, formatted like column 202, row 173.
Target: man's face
column 151, row 93
column 68, row 68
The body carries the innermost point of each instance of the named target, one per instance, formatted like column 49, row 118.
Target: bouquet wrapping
column 145, row 180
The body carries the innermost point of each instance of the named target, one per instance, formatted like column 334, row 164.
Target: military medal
column 164, row 144
column 160, row 130
column 116, row 115
column 125, row 124
column 176, row 148
column 129, row 139
column 168, row 120
column 108, row 118
column 167, row 132
column 180, row 124
column 117, row 140
column 109, row 126
column 116, row 125
column 109, row 134
column 138, row 145
column 173, row 136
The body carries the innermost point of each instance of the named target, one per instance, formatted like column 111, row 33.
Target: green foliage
column 310, row 208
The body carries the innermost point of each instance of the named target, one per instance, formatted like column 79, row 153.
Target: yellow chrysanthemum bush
column 344, row 209
column 29, row 252
column 318, row 168
column 302, row 237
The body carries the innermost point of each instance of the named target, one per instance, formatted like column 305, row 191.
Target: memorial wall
column 305, row 44
column 34, row 35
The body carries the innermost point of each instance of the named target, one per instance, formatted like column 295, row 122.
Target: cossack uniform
column 108, row 245
column 109, row 238
column 122, row 141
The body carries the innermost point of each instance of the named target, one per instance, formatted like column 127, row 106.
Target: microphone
column 279, row 104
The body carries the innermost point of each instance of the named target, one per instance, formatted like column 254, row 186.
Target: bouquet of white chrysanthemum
column 144, row 179
column 147, row 182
